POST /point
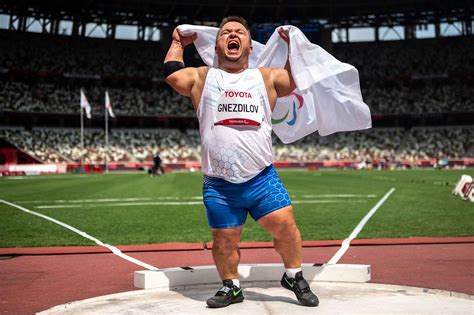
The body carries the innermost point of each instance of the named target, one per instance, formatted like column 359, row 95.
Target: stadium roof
column 153, row 12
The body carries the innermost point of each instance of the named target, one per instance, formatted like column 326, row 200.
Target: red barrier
column 10, row 156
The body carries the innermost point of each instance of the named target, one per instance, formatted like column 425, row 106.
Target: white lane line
column 108, row 200
column 337, row 196
column 86, row 200
column 113, row 249
column 45, row 177
column 182, row 198
column 125, row 204
column 346, row 243
column 176, row 203
column 327, row 201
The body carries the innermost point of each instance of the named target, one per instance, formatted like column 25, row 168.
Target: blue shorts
column 227, row 204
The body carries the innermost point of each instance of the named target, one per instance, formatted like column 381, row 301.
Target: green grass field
column 124, row 209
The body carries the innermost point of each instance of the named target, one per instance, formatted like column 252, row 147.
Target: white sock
column 291, row 272
column 236, row 282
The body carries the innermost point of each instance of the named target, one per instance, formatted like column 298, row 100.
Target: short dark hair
column 234, row 18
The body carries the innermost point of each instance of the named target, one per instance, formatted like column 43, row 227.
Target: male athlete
column 234, row 105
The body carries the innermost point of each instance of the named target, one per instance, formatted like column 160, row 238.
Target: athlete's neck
column 233, row 66
column 232, row 69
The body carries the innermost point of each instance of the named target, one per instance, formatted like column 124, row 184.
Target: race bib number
column 238, row 108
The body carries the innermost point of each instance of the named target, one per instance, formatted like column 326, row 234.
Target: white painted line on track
column 346, row 243
column 113, row 249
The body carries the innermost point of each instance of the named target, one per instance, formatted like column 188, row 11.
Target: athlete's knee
column 286, row 229
column 225, row 240
column 280, row 223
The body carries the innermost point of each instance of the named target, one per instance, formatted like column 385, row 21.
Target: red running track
column 35, row 279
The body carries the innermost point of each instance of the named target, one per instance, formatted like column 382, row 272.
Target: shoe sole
column 211, row 305
column 302, row 303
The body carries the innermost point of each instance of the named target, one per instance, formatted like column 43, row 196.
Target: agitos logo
column 292, row 121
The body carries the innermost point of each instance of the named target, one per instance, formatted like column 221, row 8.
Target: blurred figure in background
column 157, row 166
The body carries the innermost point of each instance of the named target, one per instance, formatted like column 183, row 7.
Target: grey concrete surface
column 269, row 298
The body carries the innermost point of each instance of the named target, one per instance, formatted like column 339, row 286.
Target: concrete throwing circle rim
column 268, row 297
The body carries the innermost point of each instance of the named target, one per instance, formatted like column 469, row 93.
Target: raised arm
column 179, row 77
column 282, row 78
column 279, row 82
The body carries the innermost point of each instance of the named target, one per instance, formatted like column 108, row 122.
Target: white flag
column 108, row 104
column 85, row 104
column 327, row 98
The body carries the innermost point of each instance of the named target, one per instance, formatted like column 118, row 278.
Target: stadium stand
column 51, row 145
column 71, row 56
column 390, row 98
column 50, row 98
column 361, row 145
column 172, row 145
column 419, row 91
column 419, row 97
column 137, row 145
column 450, row 142
column 397, row 77
column 422, row 58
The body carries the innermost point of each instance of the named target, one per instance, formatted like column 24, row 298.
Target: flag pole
column 82, row 140
column 106, row 138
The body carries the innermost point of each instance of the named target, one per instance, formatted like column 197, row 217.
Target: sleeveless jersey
column 235, row 125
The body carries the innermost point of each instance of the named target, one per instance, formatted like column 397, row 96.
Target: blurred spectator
column 157, row 166
column 391, row 145
column 397, row 77
column 422, row 58
column 49, row 98
column 72, row 56
column 44, row 73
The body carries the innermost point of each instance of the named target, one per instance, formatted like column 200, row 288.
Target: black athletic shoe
column 301, row 289
column 226, row 295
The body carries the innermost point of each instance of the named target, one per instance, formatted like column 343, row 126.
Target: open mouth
column 233, row 46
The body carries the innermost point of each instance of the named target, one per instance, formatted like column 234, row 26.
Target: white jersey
column 235, row 125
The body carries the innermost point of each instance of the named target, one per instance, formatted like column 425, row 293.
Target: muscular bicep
column 283, row 82
column 182, row 81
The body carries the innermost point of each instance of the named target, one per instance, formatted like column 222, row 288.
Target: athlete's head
column 233, row 43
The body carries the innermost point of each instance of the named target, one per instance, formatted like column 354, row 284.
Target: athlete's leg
column 226, row 251
column 286, row 236
column 287, row 239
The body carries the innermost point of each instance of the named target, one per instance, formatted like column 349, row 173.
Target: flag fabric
column 108, row 104
column 327, row 98
column 85, row 104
